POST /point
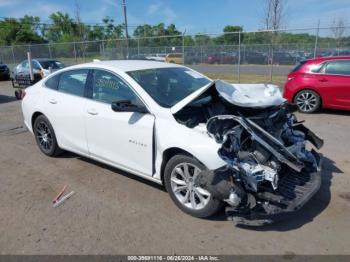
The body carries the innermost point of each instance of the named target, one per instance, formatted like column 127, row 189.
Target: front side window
column 73, row 82
column 168, row 86
column 108, row 88
column 338, row 68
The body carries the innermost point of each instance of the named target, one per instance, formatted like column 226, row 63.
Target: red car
column 320, row 83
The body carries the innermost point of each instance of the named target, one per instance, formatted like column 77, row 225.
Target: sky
column 194, row 16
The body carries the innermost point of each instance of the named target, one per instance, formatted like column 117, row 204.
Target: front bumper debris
column 294, row 191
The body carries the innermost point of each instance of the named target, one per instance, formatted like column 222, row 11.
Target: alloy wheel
column 307, row 101
column 183, row 185
column 44, row 136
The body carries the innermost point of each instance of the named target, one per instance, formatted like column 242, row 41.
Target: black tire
column 308, row 101
column 212, row 205
column 45, row 137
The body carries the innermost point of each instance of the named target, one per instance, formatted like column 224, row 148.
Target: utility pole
column 126, row 29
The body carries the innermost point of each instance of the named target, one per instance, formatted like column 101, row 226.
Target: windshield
column 168, row 86
column 51, row 63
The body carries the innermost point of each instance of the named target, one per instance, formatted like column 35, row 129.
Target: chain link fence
column 262, row 56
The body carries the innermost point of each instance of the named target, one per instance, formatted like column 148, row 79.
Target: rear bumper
column 288, row 92
column 295, row 190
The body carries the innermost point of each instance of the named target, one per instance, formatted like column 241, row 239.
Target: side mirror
column 127, row 106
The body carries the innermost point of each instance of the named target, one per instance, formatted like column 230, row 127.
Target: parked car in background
column 283, row 58
column 4, row 72
column 320, row 83
column 41, row 66
column 138, row 57
column 156, row 57
column 175, row 58
column 193, row 58
column 223, row 58
column 252, row 57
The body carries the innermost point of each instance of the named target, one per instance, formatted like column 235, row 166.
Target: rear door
column 335, row 83
column 64, row 104
column 124, row 139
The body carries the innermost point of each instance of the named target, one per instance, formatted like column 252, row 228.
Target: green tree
column 202, row 39
column 25, row 30
column 110, row 30
column 231, row 36
column 63, row 28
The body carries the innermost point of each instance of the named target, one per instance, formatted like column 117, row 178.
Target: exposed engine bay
column 271, row 168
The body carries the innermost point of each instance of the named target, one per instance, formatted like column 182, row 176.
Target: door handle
column 92, row 111
column 323, row 80
column 52, row 101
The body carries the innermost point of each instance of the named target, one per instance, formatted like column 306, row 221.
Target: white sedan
column 150, row 119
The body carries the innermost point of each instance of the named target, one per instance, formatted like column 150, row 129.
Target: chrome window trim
column 88, row 98
column 324, row 64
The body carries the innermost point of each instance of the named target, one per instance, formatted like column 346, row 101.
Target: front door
column 335, row 83
column 124, row 139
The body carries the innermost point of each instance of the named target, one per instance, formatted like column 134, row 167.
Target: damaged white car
column 212, row 144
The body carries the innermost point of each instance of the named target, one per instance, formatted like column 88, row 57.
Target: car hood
column 243, row 95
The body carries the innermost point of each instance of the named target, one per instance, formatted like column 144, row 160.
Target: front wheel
column 179, row 176
column 308, row 101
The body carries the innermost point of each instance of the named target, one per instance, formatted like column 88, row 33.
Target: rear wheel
column 179, row 176
column 45, row 136
column 308, row 101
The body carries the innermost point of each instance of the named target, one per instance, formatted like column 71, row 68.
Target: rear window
column 298, row 66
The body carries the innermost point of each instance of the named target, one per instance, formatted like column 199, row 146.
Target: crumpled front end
column 271, row 170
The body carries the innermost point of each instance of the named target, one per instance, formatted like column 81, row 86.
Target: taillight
column 23, row 93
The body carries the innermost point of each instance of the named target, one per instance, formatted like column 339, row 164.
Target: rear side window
column 317, row 68
column 338, row 67
column 52, row 82
column 73, row 82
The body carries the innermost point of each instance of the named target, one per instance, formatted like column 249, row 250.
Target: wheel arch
column 35, row 116
column 168, row 154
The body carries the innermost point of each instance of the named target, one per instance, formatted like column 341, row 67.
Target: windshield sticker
column 194, row 74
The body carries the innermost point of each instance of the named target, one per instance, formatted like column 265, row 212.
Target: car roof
column 321, row 59
column 127, row 65
column 44, row 59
